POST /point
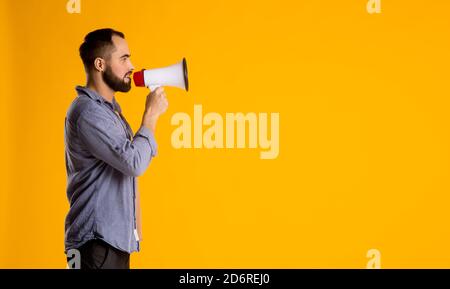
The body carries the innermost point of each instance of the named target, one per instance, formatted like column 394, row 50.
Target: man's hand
column 155, row 105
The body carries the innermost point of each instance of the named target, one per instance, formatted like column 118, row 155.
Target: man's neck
column 102, row 89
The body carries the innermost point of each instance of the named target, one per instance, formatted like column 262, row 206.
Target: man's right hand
column 155, row 105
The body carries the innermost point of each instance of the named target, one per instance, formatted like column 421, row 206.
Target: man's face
column 117, row 74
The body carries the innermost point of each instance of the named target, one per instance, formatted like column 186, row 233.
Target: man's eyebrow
column 126, row 55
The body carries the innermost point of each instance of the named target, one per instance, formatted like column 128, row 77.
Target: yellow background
column 364, row 131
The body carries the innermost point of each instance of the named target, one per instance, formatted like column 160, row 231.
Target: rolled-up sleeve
column 107, row 142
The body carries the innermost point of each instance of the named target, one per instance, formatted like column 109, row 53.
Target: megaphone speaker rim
column 185, row 72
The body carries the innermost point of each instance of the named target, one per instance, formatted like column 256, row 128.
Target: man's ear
column 99, row 64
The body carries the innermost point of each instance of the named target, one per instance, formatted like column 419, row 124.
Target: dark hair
column 97, row 43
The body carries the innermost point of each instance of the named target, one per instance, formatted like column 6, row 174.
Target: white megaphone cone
column 173, row 75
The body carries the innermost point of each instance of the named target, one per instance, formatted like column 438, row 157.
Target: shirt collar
column 82, row 90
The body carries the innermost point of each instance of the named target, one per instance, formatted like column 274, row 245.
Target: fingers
column 158, row 98
column 159, row 93
column 159, row 90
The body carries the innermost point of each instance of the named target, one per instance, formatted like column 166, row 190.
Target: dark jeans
column 97, row 254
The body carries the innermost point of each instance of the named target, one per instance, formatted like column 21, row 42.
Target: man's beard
column 114, row 82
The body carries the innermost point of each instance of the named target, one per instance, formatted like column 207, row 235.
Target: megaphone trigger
column 153, row 87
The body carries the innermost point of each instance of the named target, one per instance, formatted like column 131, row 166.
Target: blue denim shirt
column 103, row 160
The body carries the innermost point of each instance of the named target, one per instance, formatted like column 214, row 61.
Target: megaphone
column 173, row 75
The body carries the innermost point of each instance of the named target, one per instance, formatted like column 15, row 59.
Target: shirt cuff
column 148, row 134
